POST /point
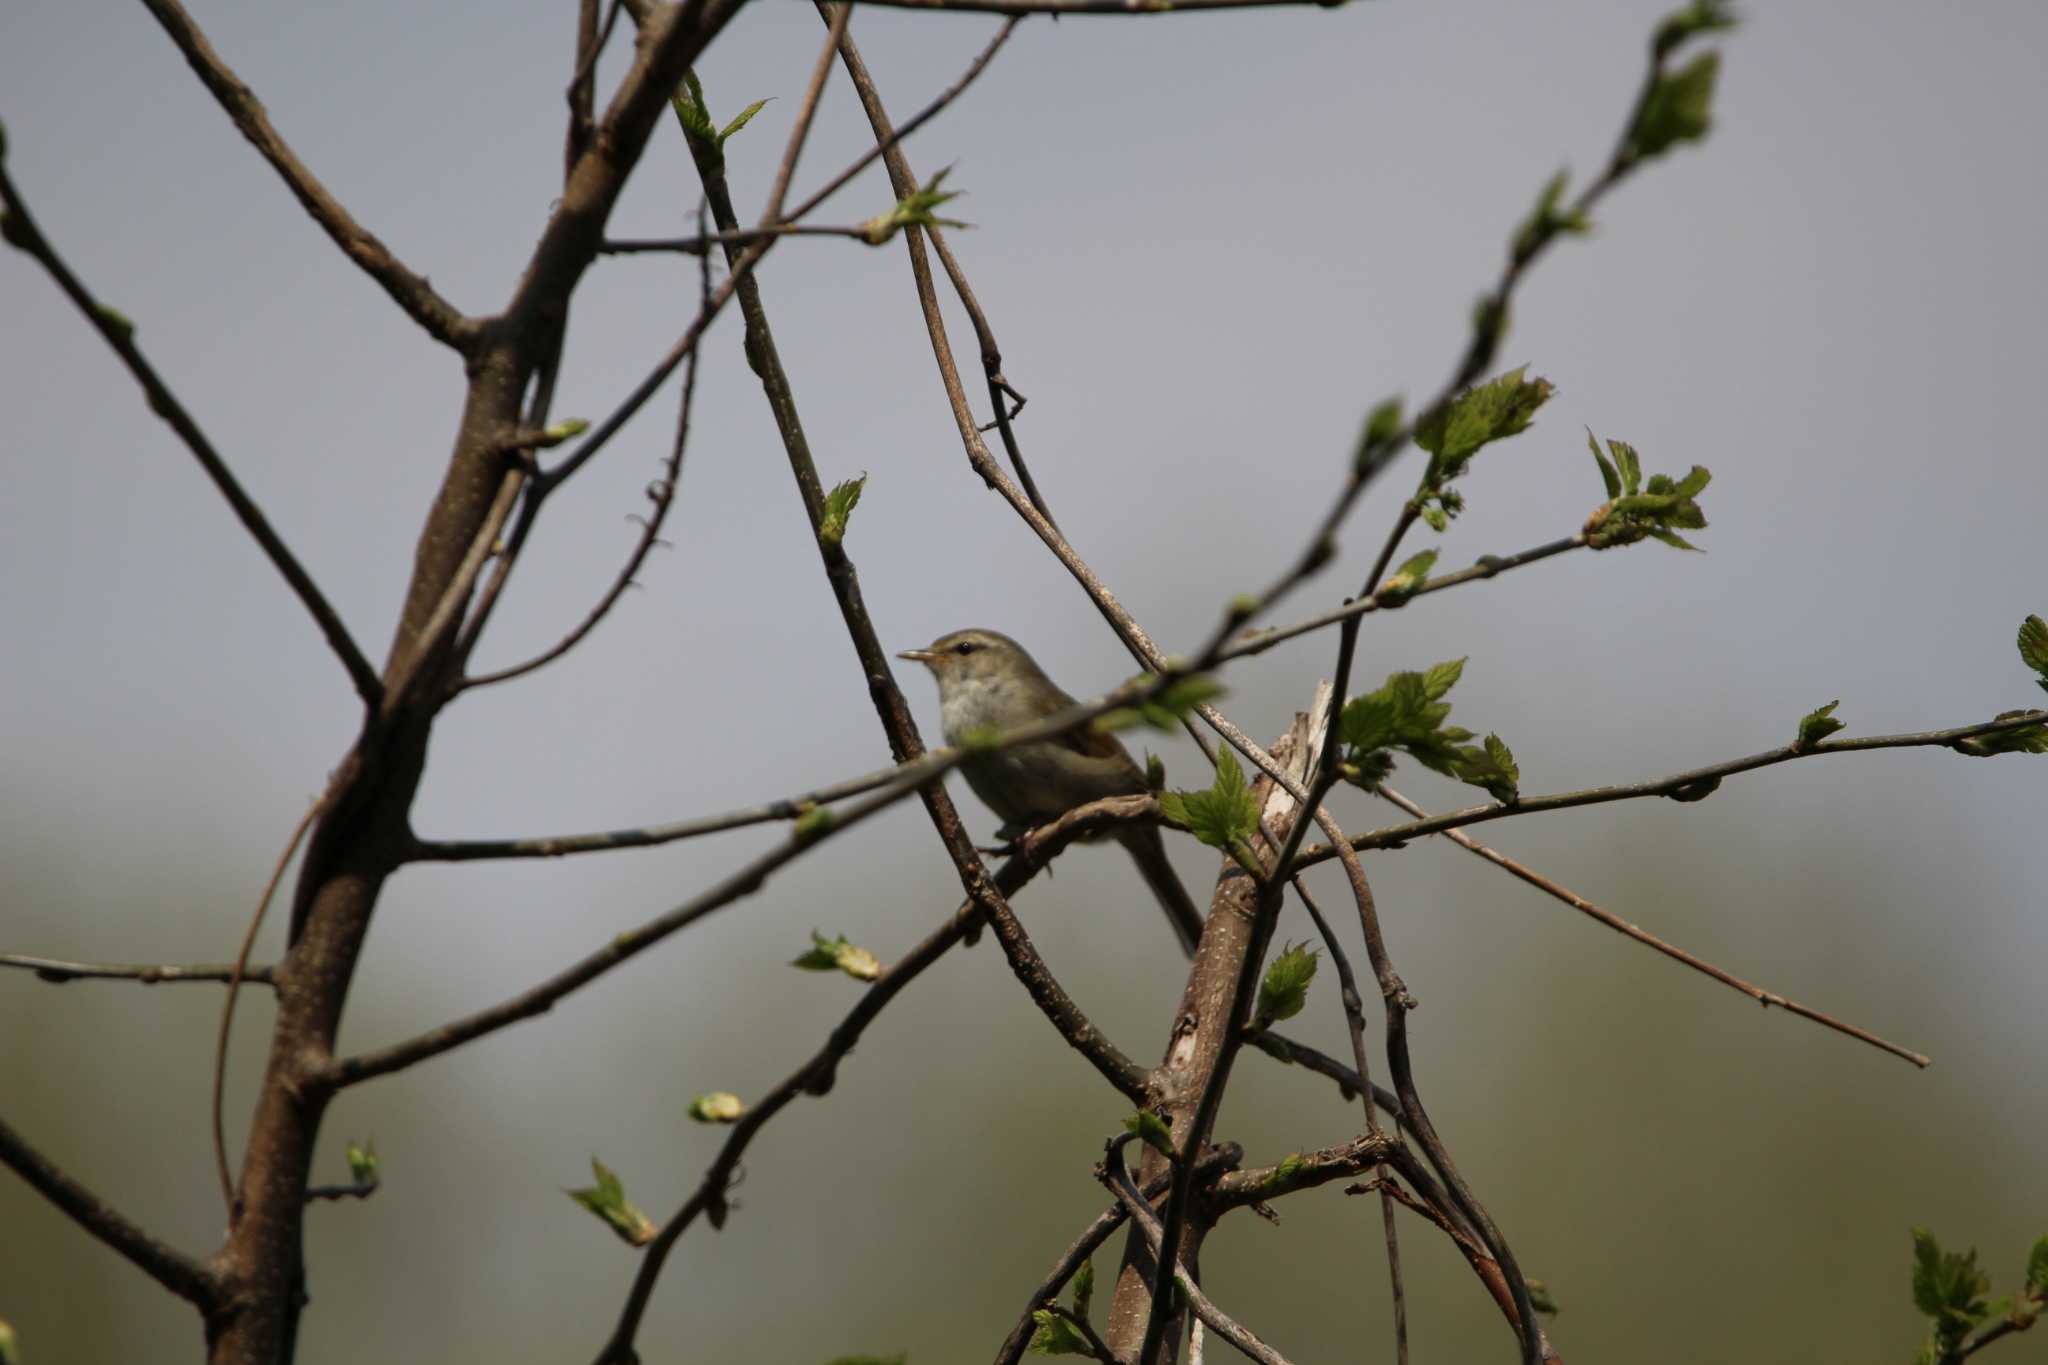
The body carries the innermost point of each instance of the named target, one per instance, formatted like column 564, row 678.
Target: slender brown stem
column 183, row 1275
column 411, row 292
column 60, row 970
column 1766, row 998
column 119, row 333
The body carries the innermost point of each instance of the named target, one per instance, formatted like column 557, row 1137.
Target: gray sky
column 1208, row 244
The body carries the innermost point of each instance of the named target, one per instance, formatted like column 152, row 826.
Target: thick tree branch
column 439, row 318
column 174, row 1270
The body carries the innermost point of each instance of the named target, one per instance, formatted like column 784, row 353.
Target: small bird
column 987, row 681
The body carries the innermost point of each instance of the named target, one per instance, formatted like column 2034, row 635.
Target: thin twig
column 1692, row 784
column 1022, row 8
column 439, row 318
column 119, row 333
column 150, row 974
column 1224, row 1156
column 1766, row 998
column 236, row 976
column 1118, row 1178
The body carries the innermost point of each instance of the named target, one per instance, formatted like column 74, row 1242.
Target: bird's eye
column 965, row 647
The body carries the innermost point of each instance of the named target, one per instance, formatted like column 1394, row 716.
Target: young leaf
column 1817, row 724
column 1056, row 1336
column 2034, row 647
column 607, row 1199
column 1084, row 1289
column 2029, row 739
column 688, row 102
column 916, row 209
column 1486, row 412
column 718, row 1106
column 740, row 120
column 839, row 505
column 1442, row 677
column 1949, row 1288
column 812, row 824
column 1382, row 429
column 1403, row 582
column 362, row 1164
column 1225, row 816
column 1702, row 16
column 1492, row 767
column 1152, row 1131
column 1284, row 991
column 2037, row 1269
column 836, row 954
column 1679, row 107
column 1168, row 708
column 1608, row 474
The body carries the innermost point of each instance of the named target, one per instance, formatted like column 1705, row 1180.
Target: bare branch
column 1118, row 1178
column 119, row 333
column 1692, row 784
column 1615, row 922
column 183, row 1275
column 59, row 970
column 439, row 318
column 1021, row 8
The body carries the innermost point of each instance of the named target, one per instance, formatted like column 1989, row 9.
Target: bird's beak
column 918, row 656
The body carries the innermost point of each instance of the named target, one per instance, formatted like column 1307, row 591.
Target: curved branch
column 439, row 318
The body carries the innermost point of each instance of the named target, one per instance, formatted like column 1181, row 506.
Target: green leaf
column 1702, row 16
column 568, row 429
column 1382, row 430
column 717, row 1106
column 607, row 1200
column 1544, row 221
column 1151, row 1130
column 688, row 102
column 1817, row 724
column 1402, row 583
column 839, row 505
column 1084, row 1288
column 1056, row 1336
column 1541, row 1299
column 10, row 1350
column 362, row 1164
column 1492, row 766
column 1679, row 107
column 740, row 120
column 2028, row 739
column 1442, row 677
column 1486, row 412
column 2037, row 1269
column 1948, row 1288
column 916, row 209
column 1155, row 774
column 1608, row 474
column 1167, row 708
column 1284, row 991
column 836, row 954
column 1225, row 816
column 2034, row 647
column 869, row 1360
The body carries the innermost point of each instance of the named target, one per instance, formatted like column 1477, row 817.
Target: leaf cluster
column 1057, row 1335
column 1657, row 509
column 2028, row 739
column 1455, row 431
column 1226, row 816
column 1817, row 724
column 839, row 505
column 1950, row 1289
column 607, row 1199
column 1407, row 714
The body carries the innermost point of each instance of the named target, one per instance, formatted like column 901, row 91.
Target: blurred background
column 1208, row 245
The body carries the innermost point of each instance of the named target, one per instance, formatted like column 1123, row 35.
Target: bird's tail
column 1148, row 851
